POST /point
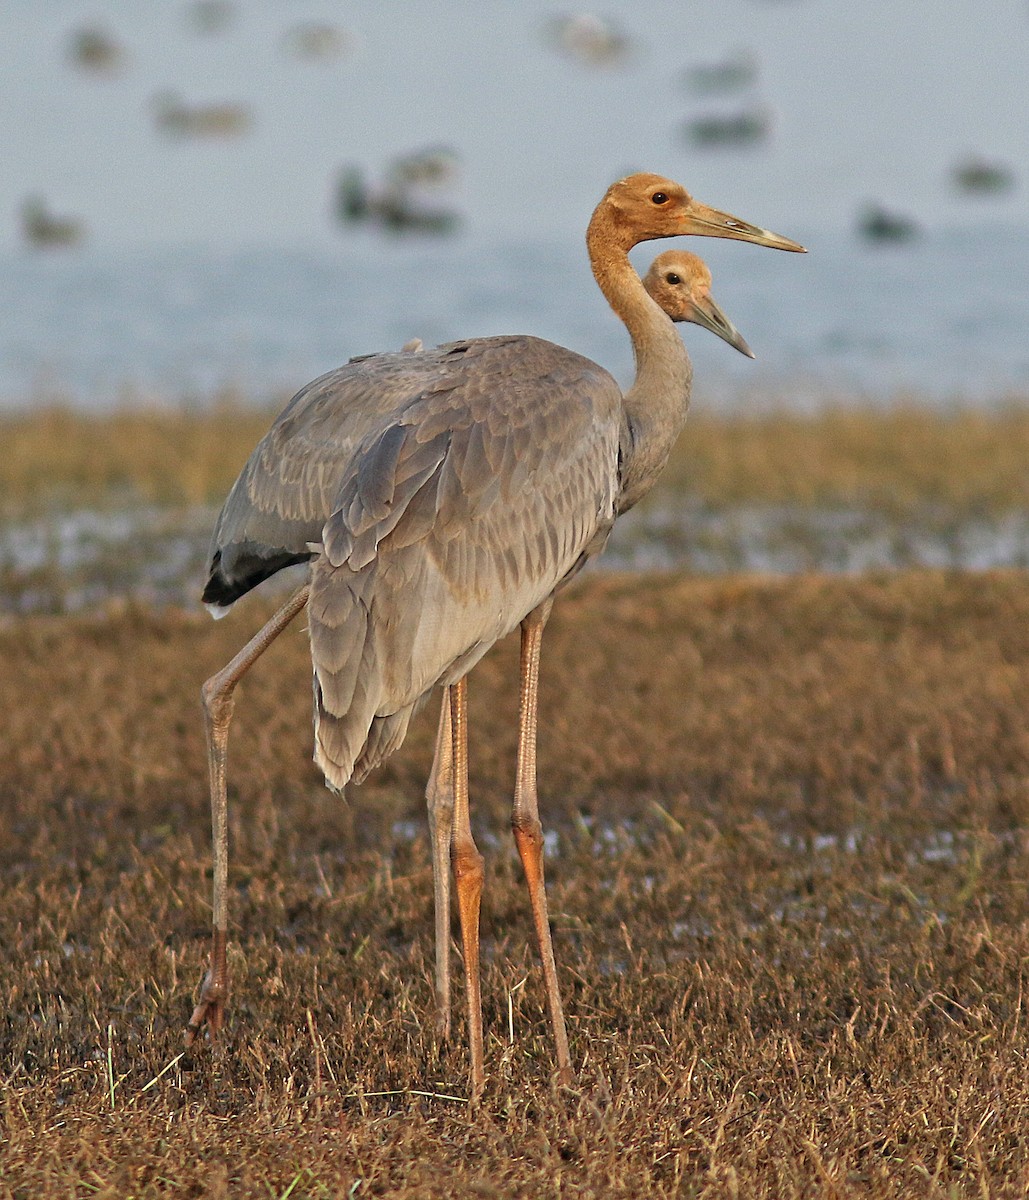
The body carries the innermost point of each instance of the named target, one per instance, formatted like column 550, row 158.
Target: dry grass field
column 788, row 878
column 906, row 457
column 788, row 870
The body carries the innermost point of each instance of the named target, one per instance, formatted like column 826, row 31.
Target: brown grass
column 894, row 460
column 902, row 458
column 59, row 458
column 789, row 898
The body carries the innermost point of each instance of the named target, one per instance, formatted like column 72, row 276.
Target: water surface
column 944, row 318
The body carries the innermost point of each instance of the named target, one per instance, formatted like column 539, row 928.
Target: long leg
column 528, row 831
column 439, row 795
column 468, row 876
column 218, row 703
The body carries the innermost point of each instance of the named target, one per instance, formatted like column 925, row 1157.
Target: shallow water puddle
column 76, row 561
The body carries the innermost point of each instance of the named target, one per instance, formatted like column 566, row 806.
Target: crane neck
column 654, row 408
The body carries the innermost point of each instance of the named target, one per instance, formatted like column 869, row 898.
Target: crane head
column 645, row 206
column 680, row 283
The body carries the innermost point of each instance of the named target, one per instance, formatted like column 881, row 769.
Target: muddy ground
column 789, row 881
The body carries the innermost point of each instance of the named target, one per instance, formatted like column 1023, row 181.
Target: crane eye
column 671, row 277
column 659, row 198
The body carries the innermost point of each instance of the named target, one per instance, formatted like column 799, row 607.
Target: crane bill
column 711, row 222
column 705, row 312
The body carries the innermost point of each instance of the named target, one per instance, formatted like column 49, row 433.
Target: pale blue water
column 190, row 278
column 945, row 318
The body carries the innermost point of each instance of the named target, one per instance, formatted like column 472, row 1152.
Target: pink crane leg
column 468, row 878
column 218, row 703
column 528, row 831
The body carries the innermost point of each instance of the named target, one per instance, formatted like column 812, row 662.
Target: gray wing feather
column 456, row 517
column 377, row 474
column 287, row 487
column 353, row 532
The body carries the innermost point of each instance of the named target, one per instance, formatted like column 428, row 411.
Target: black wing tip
column 221, row 590
column 219, row 593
